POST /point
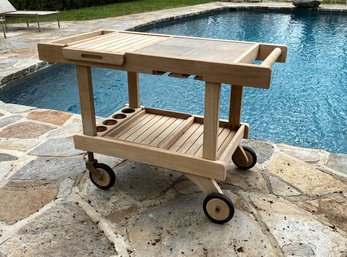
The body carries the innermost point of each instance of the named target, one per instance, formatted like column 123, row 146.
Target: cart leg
column 211, row 120
column 244, row 157
column 85, row 89
column 90, row 156
column 206, row 185
column 90, row 162
column 241, row 155
column 217, row 206
column 100, row 174
column 235, row 106
column 133, row 89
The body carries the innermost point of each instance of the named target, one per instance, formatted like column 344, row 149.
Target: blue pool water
column 305, row 106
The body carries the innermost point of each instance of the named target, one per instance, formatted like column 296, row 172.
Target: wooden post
column 211, row 120
column 133, row 89
column 235, row 106
column 85, row 88
column 235, row 118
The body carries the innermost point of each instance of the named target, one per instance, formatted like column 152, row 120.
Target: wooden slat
column 143, row 128
column 86, row 40
column 152, row 155
column 166, row 122
column 211, row 121
column 177, row 133
column 157, row 128
column 114, row 45
column 184, row 137
column 137, row 44
column 195, row 146
column 223, row 134
column 146, row 34
column 179, row 115
column 128, row 132
column 166, row 133
column 235, row 141
column 81, row 37
column 85, row 88
column 225, row 143
column 93, row 41
column 107, row 44
column 198, row 152
column 95, row 45
column 191, row 140
column 119, row 131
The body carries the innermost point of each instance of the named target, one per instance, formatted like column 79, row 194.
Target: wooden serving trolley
column 200, row 147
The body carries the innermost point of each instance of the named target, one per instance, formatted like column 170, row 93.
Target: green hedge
column 59, row 4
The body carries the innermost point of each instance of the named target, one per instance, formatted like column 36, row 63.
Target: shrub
column 59, row 4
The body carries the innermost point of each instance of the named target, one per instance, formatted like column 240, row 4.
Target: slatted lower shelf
column 176, row 132
column 163, row 138
column 149, row 129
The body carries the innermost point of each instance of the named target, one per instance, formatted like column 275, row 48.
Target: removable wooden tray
column 109, row 48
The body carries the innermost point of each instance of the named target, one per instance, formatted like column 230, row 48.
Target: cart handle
column 272, row 57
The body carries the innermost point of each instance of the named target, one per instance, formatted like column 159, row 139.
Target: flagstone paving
column 292, row 203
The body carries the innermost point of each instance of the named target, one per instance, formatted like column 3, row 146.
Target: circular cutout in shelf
column 128, row 110
column 109, row 122
column 119, row 116
column 100, row 128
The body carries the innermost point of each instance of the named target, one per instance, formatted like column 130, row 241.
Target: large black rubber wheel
column 218, row 208
column 103, row 177
column 252, row 159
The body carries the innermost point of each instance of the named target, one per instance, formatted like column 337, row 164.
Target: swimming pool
column 305, row 106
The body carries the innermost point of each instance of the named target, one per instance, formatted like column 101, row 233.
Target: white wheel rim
column 217, row 209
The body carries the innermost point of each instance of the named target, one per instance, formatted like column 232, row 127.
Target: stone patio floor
column 292, row 203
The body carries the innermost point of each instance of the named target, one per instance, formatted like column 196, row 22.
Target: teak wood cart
column 200, row 147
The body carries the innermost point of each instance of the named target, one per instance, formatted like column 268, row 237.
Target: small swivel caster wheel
column 102, row 176
column 252, row 159
column 218, row 208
